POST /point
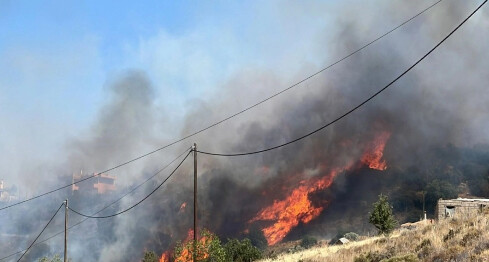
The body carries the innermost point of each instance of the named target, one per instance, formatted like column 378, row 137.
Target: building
column 100, row 184
column 460, row 207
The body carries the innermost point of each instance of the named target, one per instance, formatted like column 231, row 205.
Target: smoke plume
column 439, row 107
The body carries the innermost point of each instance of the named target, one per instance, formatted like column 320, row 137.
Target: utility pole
column 66, row 231
column 195, row 203
column 424, row 212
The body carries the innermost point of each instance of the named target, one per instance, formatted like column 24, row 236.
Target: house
column 100, row 184
column 460, row 207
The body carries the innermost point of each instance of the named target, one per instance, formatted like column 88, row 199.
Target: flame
column 375, row 151
column 296, row 208
column 165, row 257
column 186, row 254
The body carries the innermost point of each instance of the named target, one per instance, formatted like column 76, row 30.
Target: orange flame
column 296, row 208
column 186, row 255
column 375, row 151
column 165, row 257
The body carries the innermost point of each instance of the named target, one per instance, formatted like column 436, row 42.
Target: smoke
column 123, row 128
column 442, row 101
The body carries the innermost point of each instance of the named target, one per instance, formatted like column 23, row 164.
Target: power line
column 235, row 114
column 52, row 191
column 356, row 107
column 145, row 181
column 139, row 202
column 55, row 213
column 105, row 207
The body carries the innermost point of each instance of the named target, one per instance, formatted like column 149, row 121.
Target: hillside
column 449, row 240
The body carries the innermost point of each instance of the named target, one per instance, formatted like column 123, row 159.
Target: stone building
column 460, row 207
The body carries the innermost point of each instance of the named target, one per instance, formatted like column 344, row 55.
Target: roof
column 467, row 199
column 342, row 241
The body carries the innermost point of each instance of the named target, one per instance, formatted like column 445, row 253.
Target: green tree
column 241, row 251
column 150, row 256
column 381, row 216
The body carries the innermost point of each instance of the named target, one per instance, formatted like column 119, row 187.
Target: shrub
column 241, row 251
column 308, row 242
column 209, row 248
column 351, row 236
column 150, row 256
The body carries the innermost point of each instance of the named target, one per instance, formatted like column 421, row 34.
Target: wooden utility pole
column 424, row 211
column 195, row 203
column 66, row 231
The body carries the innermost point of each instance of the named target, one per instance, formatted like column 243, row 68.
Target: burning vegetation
column 184, row 252
column 298, row 208
column 375, row 151
column 210, row 248
column 430, row 143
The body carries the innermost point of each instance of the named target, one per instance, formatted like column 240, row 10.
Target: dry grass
column 450, row 240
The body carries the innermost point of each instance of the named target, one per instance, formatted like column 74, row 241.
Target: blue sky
column 59, row 57
column 68, row 49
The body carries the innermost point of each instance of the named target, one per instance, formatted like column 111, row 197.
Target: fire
column 165, row 257
column 296, row 208
column 375, row 151
column 186, row 254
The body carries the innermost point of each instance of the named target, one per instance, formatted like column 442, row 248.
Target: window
column 449, row 211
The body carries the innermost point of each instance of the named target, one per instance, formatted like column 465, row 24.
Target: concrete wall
column 460, row 207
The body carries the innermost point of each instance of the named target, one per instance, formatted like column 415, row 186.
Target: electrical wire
column 356, row 107
column 55, row 213
column 139, row 202
column 52, row 191
column 235, row 114
column 105, row 207
column 145, row 181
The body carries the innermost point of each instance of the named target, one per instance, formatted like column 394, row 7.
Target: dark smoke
column 436, row 114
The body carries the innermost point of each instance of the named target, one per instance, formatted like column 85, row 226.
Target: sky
column 59, row 57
